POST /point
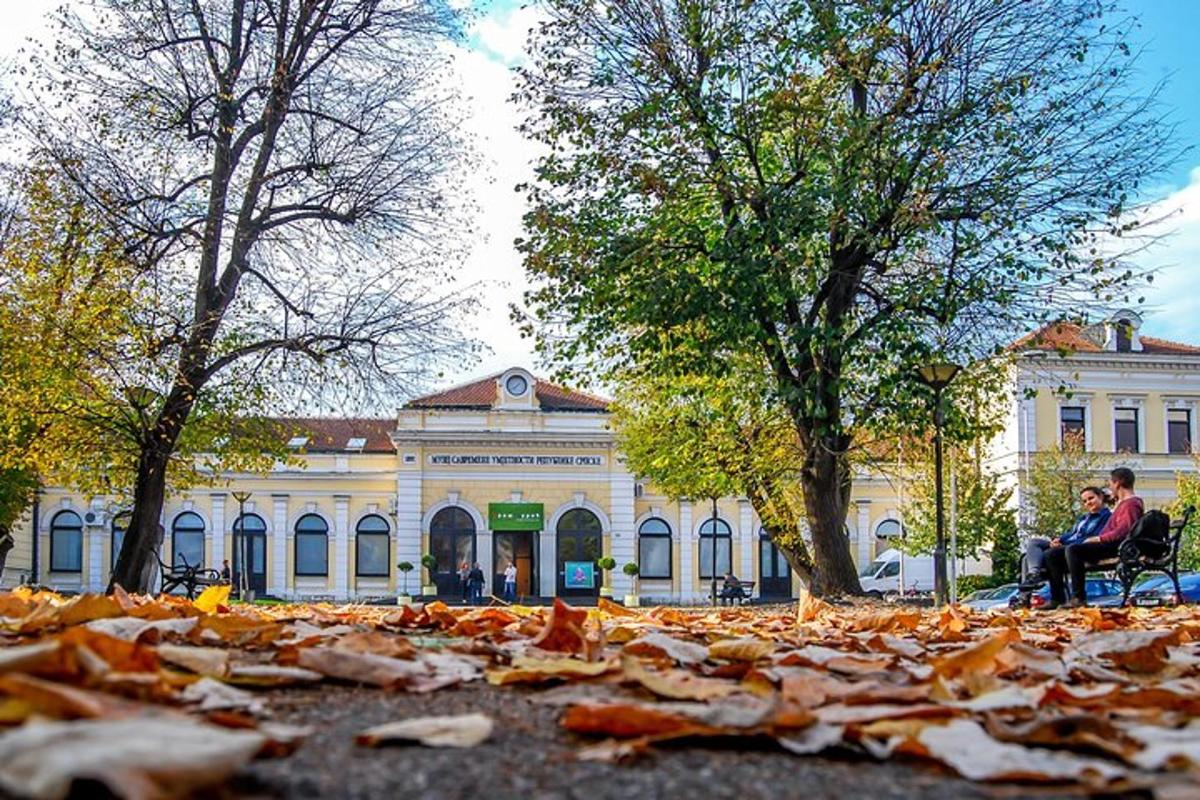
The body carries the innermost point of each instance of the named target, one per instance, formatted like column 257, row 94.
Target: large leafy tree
column 280, row 174
column 696, row 436
column 836, row 189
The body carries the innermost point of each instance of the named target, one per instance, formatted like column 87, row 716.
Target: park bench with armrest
column 747, row 591
column 186, row 576
column 1132, row 560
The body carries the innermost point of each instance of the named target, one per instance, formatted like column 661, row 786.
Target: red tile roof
column 332, row 434
column 481, row 394
column 1072, row 338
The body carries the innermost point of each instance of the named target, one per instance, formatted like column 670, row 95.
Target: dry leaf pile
column 91, row 686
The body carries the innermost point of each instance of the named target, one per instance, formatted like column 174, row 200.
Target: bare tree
column 281, row 170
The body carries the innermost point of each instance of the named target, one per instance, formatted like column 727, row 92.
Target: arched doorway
column 451, row 542
column 254, row 529
column 775, row 574
column 579, row 545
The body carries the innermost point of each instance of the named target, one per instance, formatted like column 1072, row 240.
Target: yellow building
column 513, row 469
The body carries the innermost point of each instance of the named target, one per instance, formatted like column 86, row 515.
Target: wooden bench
column 187, row 577
column 747, row 588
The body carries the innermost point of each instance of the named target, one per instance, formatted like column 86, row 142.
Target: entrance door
column 452, row 543
column 579, row 547
column 775, row 579
column 254, row 531
column 516, row 547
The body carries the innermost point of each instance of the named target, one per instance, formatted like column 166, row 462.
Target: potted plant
column 430, row 565
column 405, row 567
column 631, row 569
column 605, row 564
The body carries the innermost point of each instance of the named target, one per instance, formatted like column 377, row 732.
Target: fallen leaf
column 463, row 730
column 628, row 720
column 979, row 657
column 740, row 649
column 540, row 670
column 136, row 759
column 359, row 667
column 564, row 630
column 964, row 746
column 660, row 645
column 201, row 660
column 212, row 597
column 676, row 684
column 212, row 695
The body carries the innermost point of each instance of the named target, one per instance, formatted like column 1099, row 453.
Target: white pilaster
column 279, row 576
column 94, row 538
column 548, row 565
column 686, row 573
column 624, row 538
column 406, row 538
column 215, row 546
column 865, row 535
column 341, row 545
column 484, row 554
column 749, row 533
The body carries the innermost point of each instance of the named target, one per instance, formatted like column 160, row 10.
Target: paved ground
column 529, row 758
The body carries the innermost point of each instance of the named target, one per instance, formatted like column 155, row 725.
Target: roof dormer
column 1121, row 332
column 516, row 390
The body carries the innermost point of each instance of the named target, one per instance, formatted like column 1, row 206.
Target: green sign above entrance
column 515, row 516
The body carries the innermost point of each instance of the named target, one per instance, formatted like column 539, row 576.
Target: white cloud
column 503, row 33
column 1173, row 300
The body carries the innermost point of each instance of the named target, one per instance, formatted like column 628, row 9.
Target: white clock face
column 516, row 385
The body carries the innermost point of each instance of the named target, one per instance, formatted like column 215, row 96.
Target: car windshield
column 870, row 570
column 1004, row 592
column 1157, row 582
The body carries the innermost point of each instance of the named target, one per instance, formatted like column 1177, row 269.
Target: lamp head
column 938, row 375
column 241, row 496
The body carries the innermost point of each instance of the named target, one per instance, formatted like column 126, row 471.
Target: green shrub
column 630, row 569
column 973, row 583
column 606, row 563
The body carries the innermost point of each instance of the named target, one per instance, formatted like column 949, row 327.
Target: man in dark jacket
column 475, row 581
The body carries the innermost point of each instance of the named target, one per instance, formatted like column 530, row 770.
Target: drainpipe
column 33, row 559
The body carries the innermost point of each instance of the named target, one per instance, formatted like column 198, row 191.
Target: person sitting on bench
column 1093, row 519
column 731, row 588
column 1075, row 558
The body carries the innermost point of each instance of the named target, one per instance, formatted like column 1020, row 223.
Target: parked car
column 985, row 599
column 1097, row 589
column 1144, row 585
column 1160, row 591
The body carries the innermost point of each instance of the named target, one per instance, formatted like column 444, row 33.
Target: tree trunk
column 826, row 485
column 134, row 570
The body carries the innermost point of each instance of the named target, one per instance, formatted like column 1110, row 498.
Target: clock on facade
column 516, row 385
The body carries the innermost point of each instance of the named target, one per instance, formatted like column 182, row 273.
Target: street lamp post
column 713, row 543
column 239, row 545
column 937, row 376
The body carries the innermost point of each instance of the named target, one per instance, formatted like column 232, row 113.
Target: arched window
column 452, row 539
column 119, row 525
column 888, row 529
column 66, row 542
column 579, row 545
column 312, row 546
column 250, row 545
column 372, row 547
column 187, row 540
column 654, row 549
column 715, row 531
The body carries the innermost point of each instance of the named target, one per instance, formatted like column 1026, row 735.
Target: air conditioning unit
column 97, row 517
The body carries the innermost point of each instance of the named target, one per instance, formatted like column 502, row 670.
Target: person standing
column 1075, row 558
column 475, row 581
column 464, row 575
column 510, row 582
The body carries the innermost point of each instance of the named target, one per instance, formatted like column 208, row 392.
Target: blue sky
column 1171, row 51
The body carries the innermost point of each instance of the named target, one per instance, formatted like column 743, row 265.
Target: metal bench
column 1132, row 561
column 187, row 577
column 747, row 589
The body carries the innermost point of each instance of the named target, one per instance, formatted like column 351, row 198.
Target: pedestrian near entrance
column 475, row 582
column 464, row 576
column 510, row 582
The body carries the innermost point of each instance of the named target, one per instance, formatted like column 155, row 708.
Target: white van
column 883, row 574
